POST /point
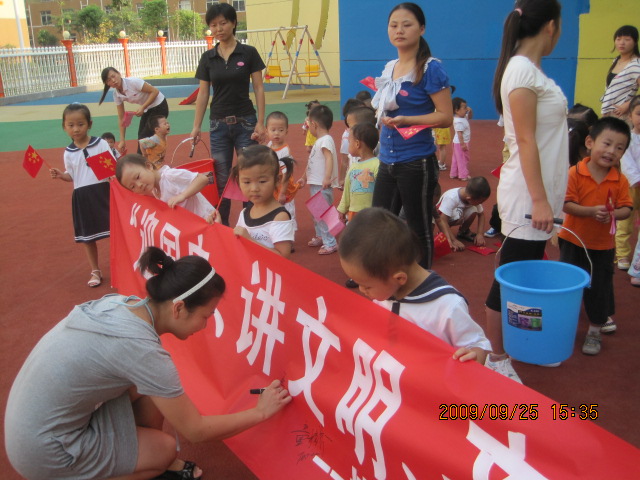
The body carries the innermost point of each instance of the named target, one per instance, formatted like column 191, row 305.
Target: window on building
column 185, row 4
column 139, row 7
column 108, row 9
column 212, row 2
column 238, row 5
column 45, row 17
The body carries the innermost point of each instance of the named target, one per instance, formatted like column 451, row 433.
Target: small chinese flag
column 408, row 132
column 126, row 120
column 232, row 191
column 103, row 165
column 369, row 82
column 32, row 161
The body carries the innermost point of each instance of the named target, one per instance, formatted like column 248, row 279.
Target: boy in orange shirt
column 597, row 195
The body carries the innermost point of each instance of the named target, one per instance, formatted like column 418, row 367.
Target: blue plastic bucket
column 540, row 309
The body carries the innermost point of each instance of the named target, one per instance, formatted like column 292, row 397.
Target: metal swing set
column 289, row 65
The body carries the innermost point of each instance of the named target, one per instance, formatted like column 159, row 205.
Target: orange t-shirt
column 585, row 191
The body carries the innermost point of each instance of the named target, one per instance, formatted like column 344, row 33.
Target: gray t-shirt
column 68, row 413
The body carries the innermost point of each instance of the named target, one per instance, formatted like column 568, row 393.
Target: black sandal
column 185, row 474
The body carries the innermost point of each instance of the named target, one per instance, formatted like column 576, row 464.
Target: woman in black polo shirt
column 228, row 68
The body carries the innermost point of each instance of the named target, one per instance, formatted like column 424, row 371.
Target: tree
column 187, row 25
column 154, row 16
column 129, row 21
column 46, row 38
column 89, row 19
column 120, row 4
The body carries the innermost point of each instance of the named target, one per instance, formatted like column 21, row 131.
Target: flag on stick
column 103, row 165
column 232, row 192
column 33, row 161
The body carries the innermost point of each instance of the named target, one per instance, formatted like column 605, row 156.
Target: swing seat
column 274, row 71
column 311, row 71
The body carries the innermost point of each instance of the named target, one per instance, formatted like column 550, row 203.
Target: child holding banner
column 92, row 397
column 174, row 186
column 381, row 253
column 90, row 198
column 266, row 222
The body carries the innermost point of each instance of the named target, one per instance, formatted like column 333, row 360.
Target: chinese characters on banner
column 375, row 397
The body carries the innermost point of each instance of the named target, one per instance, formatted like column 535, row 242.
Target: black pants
column 514, row 250
column 410, row 184
column 598, row 300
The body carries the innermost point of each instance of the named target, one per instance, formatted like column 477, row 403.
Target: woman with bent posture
column 90, row 400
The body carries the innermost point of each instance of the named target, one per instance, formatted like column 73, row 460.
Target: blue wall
column 464, row 34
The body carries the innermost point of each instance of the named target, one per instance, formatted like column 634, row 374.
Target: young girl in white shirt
column 90, row 199
column 266, row 222
column 174, row 186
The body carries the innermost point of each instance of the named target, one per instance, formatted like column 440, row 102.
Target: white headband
column 196, row 287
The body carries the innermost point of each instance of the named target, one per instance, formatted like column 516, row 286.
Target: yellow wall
column 596, row 41
column 275, row 13
column 8, row 26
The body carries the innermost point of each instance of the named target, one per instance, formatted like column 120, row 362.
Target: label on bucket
column 526, row 318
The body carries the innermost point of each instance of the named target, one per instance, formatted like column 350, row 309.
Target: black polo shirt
column 230, row 80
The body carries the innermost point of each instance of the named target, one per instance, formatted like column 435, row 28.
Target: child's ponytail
column 288, row 163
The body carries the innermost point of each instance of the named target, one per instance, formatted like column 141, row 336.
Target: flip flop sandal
column 185, row 474
column 96, row 278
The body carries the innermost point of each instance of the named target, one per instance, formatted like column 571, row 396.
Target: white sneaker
column 624, row 263
column 503, row 367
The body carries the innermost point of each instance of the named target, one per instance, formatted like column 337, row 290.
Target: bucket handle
column 193, row 147
column 557, row 224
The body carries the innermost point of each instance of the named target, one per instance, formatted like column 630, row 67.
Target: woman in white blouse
column 534, row 178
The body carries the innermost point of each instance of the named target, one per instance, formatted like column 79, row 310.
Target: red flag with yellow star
column 32, row 161
column 103, row 165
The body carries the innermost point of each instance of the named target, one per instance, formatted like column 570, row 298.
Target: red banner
column 375, row 396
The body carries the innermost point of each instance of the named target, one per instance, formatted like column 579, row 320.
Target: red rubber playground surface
column 44, row 275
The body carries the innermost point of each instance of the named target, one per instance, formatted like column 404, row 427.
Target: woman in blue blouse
column 413, row 90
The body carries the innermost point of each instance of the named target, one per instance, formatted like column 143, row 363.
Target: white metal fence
column 42, row 69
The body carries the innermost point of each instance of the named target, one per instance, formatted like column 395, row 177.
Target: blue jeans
column 224, row 138
column 410, row 185
column 322, row 230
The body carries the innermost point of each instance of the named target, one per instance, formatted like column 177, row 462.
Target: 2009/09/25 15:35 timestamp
column 584, row 411
column 559, row 411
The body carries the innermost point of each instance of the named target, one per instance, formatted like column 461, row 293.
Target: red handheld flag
column 369, row 82
column 408, row 132
column 232, row 191
column 126, row 120
column 103, row 165
column 32, row 161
